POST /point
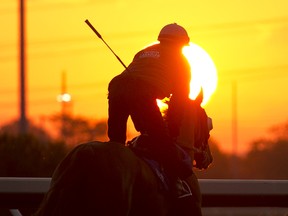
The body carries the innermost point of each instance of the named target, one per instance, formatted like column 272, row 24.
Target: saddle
column 140, row 146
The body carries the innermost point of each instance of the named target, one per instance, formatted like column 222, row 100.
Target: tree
column 12, row 128
column 267, row 160
column 28, row 156
column 37, row 153
column 76, row 130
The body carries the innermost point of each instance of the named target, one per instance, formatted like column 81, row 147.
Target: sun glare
column 203, row 72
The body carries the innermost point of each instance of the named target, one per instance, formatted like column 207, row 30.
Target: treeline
column 28, row 156
column 37, row 154
column 267, row 159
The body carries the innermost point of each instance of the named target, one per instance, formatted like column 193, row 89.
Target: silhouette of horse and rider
column 153, row 174
column 107, row 178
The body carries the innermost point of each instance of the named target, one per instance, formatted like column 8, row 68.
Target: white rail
column 28, row 192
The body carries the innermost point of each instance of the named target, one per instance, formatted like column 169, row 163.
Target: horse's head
column 192, row 131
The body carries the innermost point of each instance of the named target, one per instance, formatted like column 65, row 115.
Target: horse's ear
column 199, row 97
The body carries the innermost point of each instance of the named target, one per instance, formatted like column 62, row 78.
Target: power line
column 72, row 49
column 71, row 41
column 256, row 74
column 52, row 100
column 40, row 89
column 124, row 35
column 12, row 8
column 74, row 40
column 237, row 25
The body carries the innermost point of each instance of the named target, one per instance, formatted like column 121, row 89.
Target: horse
column 108, row 178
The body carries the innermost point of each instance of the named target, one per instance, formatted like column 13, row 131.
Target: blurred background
column 54, row 74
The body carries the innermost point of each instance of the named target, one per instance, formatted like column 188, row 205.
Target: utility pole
column 235, row 169
column 23, row 125
column 63, row 106
column 65, row 99
column 234, row 118
column 63, row 92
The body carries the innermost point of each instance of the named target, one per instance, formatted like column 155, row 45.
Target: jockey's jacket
column 164, row 67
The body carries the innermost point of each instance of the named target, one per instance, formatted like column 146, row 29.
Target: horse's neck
column 186, row 138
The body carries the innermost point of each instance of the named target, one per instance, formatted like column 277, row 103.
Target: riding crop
column 99, row 36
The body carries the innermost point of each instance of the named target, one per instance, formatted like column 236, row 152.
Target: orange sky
column 246, row 39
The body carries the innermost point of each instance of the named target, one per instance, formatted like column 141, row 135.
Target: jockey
column 156, row 72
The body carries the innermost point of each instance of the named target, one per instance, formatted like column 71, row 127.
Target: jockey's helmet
column 174, row 33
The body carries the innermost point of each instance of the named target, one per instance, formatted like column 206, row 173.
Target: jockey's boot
column 182, row 189
column 178, row 188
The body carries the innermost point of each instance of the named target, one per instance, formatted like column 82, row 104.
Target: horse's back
column 101, row 178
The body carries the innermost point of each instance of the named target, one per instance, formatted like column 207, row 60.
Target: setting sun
column 203, row 71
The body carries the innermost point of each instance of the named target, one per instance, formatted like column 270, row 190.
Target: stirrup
column 183, row 189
